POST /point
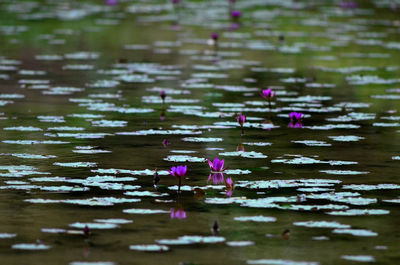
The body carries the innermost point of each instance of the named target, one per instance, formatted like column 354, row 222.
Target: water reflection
column 177, row 213
column 162, row 114
column 297, row 124
column 240, row 148
column 216, row 178
column 229, row 186
column 165, row 142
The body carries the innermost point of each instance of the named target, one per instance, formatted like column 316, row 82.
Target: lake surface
column 84, row 129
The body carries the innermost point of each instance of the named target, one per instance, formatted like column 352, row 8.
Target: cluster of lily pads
column 217, row 165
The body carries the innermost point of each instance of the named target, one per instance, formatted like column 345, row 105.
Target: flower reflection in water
column 162, row 115
column 216, row 178
column 229, row 186
column 234, row 26
column 295, row 125
column 165, row 142
column 178, row 213
column 240, row 148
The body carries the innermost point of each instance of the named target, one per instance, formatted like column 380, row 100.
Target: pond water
column 86, row 132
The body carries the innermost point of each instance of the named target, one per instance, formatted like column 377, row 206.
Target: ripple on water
column 32, row 246
column 240, row 243
column 359, row 212
column 258, row 218
column 392, row 200
column 184, row 158
column 355, row 232
column 145, row 194
column 92, row 263
column 280, row 262
column 161, row 132
column 149, row 248
column 31, row 142
column 144, row 211
column 344, row 172
column 359, row 258
column 79, row 135
column 94, row 225
column 312, row 143
column 53, row 230
column 31, row 156
column 346, row 138
column 189, row 240
column 321, row 224
column 251, row 154
column 95, row 201
column 76, row 164
column 367, row 187
column 89, row 150
column 113, row 221
column 7, row 235
column 202, row 139
column 65, row 128
column 23, row 129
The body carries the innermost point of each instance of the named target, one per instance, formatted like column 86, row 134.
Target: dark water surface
column 83, row 126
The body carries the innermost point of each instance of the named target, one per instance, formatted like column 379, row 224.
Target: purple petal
column 222, row 164
column 184, row 170
column 210, row 163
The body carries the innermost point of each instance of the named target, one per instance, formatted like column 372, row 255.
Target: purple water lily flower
column 163, row 94
column 214, row 36
column 348, row 4
column 241, row 119
column 178, row 171
column 177, row 214
column 111, row 2
column 216, row 165
column 217, row 178
column 268, row 93
column 296, row 116
column 235, row 14
column 175, row 1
